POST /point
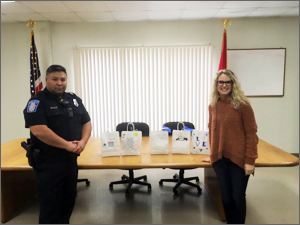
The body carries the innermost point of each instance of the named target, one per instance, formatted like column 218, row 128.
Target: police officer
column 60, row 128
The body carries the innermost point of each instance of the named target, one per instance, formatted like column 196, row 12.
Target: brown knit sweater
column 232, row 133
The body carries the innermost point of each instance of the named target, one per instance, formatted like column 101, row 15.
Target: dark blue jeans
column 233, row 184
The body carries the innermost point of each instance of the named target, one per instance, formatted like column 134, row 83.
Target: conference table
column 18, row 183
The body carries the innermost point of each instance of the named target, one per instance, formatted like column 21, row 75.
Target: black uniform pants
column 233, row 184
column 57, row 182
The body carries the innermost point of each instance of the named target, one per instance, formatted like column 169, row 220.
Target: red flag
column 223, row 59
column 35, row 75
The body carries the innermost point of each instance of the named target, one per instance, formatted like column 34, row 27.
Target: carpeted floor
column 272, row 198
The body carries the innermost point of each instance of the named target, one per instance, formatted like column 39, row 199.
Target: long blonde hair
column 238, row 97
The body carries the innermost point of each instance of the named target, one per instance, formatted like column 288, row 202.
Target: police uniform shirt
column 64, row 117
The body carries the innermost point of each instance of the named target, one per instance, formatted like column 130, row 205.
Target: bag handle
column 132, row 126
column 178, row 125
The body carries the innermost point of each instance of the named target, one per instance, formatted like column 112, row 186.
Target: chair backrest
column 173, row 126
column 137, row 125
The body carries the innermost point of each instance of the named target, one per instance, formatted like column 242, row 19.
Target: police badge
column 75, row 102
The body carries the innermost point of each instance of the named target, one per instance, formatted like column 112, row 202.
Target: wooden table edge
column 162, row 166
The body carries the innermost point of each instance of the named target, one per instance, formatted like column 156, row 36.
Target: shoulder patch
column 32, row 106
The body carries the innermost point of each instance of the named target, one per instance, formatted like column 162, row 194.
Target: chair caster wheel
column 145, row 179
column 174, row 176
column 197, row 180
column 199, row 190
column 126, row 192
column 149, row 188
column 111, row 187
column 160, row 183
column 87, row 183
column 175, row 192
column 123, row 177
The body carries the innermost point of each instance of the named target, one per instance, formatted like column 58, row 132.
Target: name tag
column 53, row 107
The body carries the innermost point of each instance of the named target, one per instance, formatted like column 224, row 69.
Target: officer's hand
column 71, row 146
column 80, row 146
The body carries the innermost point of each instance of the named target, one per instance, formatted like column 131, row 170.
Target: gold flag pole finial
column 225, row 22
column 31, row 23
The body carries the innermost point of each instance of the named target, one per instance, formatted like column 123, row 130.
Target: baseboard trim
column 295, row 154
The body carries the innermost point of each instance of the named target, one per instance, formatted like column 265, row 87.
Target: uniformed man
column 59, row 128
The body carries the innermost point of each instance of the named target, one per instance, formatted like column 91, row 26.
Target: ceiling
column 112, row 11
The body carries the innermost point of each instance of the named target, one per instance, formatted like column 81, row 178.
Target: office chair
column 173, row 126
column 144, row 128
column 180, row 178
column 87, row 182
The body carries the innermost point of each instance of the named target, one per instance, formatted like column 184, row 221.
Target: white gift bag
column 159, row 142
column 181, row 141
column 200, row 142
column 110, row 144
column 131, row 141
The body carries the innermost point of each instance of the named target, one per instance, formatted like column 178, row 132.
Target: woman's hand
column 206, row 160
column 249, row 169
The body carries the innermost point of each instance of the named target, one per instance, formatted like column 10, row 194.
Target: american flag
column 35, row 75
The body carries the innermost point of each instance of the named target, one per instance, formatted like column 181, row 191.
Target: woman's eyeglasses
column 221, row 82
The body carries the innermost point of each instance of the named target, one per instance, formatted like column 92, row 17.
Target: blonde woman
column 233, row 143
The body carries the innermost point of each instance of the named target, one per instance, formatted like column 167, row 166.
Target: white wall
column 15, row 73
column 277, row 117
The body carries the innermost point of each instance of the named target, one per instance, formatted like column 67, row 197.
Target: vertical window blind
column 154, row 85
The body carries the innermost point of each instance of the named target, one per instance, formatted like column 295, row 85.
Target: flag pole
column 225, row 21
column 31, row 23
